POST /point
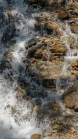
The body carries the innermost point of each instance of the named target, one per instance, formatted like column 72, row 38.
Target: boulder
column 70, row 96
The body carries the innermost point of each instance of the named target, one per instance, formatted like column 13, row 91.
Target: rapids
column 11, row 109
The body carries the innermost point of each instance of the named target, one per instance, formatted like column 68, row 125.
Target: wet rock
column 10, row 1
column 76, row 73
column 36, row 136
column 46, row 24
column 58, row 49
column 74, row 28
column 73, row 9
column 72, row 130
column 8, row 53
column 34, row 48
column 74, row 45
column 75, row 65
column 72, row 72
column 30, row 43
column 63, row 13
column 24, row 117
column 13, row 110
column 49, row 135
column 5, row 65
column 70, row 97
column 47, row 71
column 68, row 11
column 48, row 52
column 56, row 127
column 48, row 3
column 43, row 16
column 9, row 34
column 70, row 40
column 52, row 26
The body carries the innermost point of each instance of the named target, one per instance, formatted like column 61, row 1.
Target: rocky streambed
column 39, row 69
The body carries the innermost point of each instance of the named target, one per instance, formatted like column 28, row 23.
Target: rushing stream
column 16, row 117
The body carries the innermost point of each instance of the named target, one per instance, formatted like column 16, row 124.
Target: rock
column 56, row 127
column 46, row 62
column 58, row 49
column 76, row 73
column 34, row 48
column 74, row 45
column 70, row 97
column 30, row 43
column 13, row 110
column 45, row 23
column 5, row 64
column 75, row 65
column 36, row 136
column 9, row 34
column 63, row 13
column 72, row 8
column 72, row 72
column 49, row 134
column 72, row 130
column 45, row 71
column 48, row 2
column 74, row 28
column 43, row 16
column 68, row 11
column 55, row 46
column 52, row 27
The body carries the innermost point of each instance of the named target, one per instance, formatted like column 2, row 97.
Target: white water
column 10, row 124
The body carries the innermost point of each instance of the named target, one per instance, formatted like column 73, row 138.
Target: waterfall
column 18, row 117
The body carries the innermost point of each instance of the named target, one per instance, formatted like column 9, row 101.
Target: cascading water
column 18, row 119
column 9, row 125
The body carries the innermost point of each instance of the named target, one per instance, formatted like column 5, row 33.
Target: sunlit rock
column 36, row 136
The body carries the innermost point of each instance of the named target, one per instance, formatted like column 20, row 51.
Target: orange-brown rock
column 49, row 134
column 71, row 71
column 75, row 65
column 36, row 136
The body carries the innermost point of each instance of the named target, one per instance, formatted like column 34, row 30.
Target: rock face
column 70, row 97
